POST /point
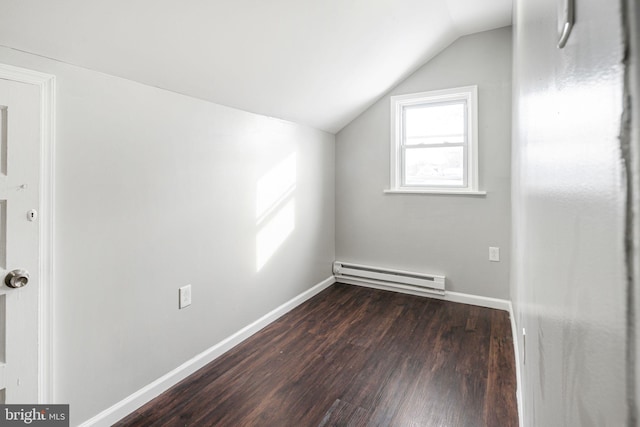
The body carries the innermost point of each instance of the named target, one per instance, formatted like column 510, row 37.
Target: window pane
column 436, row 166
column 435, row 123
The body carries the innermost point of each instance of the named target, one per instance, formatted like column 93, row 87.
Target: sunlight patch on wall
column 273, row 234
column 275, row 209
column 275, row 186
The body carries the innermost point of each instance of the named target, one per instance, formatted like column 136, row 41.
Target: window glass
column 434, row 123
column 434, row 166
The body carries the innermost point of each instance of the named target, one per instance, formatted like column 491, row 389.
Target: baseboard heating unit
column 389, row 278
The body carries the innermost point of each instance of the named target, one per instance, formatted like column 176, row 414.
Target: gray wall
column 568, row 284
column 440, row 234
column 156, row 190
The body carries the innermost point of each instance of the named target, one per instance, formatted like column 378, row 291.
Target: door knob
column 17, row 278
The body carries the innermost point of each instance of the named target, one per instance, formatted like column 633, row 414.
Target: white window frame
column 468, row 94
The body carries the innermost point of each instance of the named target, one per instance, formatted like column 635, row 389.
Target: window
column 434, row 143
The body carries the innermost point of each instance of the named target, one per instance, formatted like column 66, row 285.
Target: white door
column 19, row 234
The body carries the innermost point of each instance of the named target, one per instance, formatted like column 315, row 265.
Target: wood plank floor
column 354, row 356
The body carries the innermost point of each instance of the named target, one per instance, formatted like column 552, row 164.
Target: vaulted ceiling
column 315, row 62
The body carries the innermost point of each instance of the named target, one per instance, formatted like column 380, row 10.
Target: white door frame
column 47, row 175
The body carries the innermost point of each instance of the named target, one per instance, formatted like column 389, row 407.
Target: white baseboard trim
column 514, row 332
column 129, row 404
column 499, row 304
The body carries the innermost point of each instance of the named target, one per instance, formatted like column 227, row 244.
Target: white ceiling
column 316, row 62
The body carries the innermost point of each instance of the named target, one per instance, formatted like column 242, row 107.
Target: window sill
column 442, row 192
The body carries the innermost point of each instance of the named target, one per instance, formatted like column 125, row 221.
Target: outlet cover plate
column 494, row 254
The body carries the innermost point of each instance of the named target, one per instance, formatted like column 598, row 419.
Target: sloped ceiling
column 315, row 62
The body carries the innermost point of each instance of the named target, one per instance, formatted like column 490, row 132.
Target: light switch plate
column 184, row 294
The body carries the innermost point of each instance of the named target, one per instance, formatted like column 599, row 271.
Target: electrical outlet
column 184, row 294
column 494, row 254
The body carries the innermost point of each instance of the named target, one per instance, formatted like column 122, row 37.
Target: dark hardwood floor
column 354, row 356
